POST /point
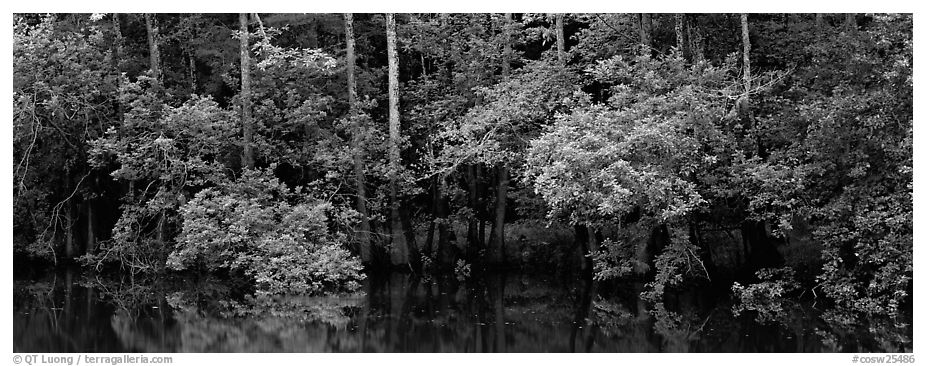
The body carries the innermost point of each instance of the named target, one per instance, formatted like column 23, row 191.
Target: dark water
column 70, row 312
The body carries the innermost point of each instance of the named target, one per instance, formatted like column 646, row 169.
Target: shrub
column 284, row 240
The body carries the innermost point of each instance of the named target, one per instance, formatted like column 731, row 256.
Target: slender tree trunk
column 192, row 72
column 91, row 235
column 746, row 108
column 154, row 57
column 365, row 254
column 851, row 25
column 747, row 77
column 497, row 236
column 680, row 33
column 444, row 253
column 560, row 40
column 118, row 43
column 818, row 23
column 497, row 239
column 472, row 233
column 580, row 238
column 399, row 251
column 246, row 125
column 69, row 251
column 695, row 45
column 646, row 25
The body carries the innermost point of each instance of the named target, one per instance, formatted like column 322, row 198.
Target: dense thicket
column 291, row 148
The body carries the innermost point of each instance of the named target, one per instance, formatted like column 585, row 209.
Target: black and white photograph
column 551, row 182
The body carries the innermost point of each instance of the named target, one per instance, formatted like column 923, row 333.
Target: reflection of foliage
column 261, row 323
column 678, row 329
column 871, row 334
column 330, row 309
column 610, row 316
column 251, row 225
column 766, row 297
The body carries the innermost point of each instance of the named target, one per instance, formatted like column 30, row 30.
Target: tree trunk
column 745, row 107
column 646, row 24
column 560, row 40
column 818, row 23
column 192, row 72
column 399, row 245
column 154, row 57
column 246, row 125
column 445, row 254
column 118, row 40
column 365, row 254
column 680, row 33
column 497, row 240
column 695, row 45
column 472, row 232
column 851, row 25
column 69, row 221
column 91, row 237
column 744, row 25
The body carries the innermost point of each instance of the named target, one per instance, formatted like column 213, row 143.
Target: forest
column 769, row 156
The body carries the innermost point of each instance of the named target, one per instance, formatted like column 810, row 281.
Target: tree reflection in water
column 406, row 313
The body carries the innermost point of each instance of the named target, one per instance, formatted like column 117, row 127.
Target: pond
column 490, row 312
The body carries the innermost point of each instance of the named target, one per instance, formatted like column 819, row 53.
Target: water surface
column 71, row 312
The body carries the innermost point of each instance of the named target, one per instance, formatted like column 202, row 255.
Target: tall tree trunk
column 745, row 107
column 91, row 231
column 851, row 25
column 472, row 230
column 246, row 125
column 365, row 254
column 747, row 82
column 497, row 236
column 192, row 72
column 680, row 33
column 399, row 251
column 118, row 44
column 154, row 57
column 69, row 251
column 818, row 23
column 695, row 45
column 497, row 239
column 560, row 40
column 646, row 25
column 581, row 243
column 445, row 254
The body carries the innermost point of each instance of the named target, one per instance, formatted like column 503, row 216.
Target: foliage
column 63, row 84
column 283, row 239
column 172, row 151
column 643, row 145
column 640, row 149
column 768, row 297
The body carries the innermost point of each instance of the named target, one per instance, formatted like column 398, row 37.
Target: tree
column 400, row 251
column 646, row 32
column 680, row 32
column 744, row 108
column 497, row 237
column 153, row 51
column 560, row 40
column 364, row 233
column 247, row 125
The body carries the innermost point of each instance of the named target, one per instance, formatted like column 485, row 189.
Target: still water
column 71, row 312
